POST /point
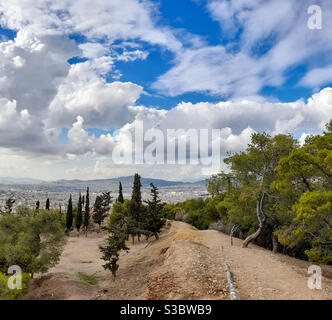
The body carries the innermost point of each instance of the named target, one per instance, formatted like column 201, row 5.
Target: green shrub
column 8, row 294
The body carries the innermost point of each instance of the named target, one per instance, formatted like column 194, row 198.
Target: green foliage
column 9, row 205
column 79, row 216
column 69, row 217
column 305, row 180
column 47, row 207
column 8, row 294
column 154, row 216
column 115, row 242
column 198, row 212
column 120, row 197
column 90, row 279
column 86, row 219
column 101, row 207
column 135, row 210
column 119, row 214
column 33, row 241
column 312, row 219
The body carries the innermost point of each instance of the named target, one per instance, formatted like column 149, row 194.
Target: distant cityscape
column 27, row 193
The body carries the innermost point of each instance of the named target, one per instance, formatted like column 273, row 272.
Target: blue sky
column 76, row 76
column 193, row 17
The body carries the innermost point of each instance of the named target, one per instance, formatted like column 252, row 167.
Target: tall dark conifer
column 69, row 218
column 135, row 209
column 86, row 220
column 120, row 198
column 47, row 207
column 154, row 219
column 79, row 214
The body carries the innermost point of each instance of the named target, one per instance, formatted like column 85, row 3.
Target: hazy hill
column 99, row 185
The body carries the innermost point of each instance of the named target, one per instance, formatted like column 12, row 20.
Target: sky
column 75, row 77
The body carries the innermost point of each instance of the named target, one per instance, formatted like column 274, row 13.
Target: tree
column 9, row 205
column 135, row 209
column 307, row 175
column 114, row 244
column 32, row 240
column 119, row 214
column 69, row 218
column 101, row 208
column 79, row 216
column 120, row 197
column 47, row 207
column 312, row 220
column 154, row 219
column 254, row 171
column 37, row 205
column 86, row 220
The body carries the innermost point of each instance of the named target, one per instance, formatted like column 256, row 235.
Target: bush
column 6, row 293
column 33, row 241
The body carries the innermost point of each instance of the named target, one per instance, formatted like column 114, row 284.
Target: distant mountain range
column 19, row 180
column 94, row 185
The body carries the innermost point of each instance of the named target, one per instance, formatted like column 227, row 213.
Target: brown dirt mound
column 183, row 263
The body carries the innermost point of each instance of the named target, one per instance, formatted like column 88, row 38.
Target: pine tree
column 37, row 205
column 86, row 220
column 154, row 219
column 114, row 244
column 69, row 218
column 79, row 213
column 47, row 207
column 120, row 198
column 135, row 209
column 9, row 205
column 101, row 207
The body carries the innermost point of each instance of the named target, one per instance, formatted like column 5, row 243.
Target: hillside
column 183, row 264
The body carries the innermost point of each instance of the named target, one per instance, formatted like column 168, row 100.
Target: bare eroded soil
column 183, row 263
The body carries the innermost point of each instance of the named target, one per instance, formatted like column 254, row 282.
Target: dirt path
column 79, row 264
column 261, row 275
column 183, row 264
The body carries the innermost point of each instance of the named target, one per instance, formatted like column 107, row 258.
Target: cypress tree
column 86, row 220
column 47, row 207
column 79, row 214
column 69, row 218
column 120, row 198
column 135, row 209
column 154, row 219
column 37, row 205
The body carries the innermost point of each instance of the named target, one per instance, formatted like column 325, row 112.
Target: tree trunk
column 113, row 276
column 261, row 219
column 157, row 236
column 133, row 237
column 275, row 243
